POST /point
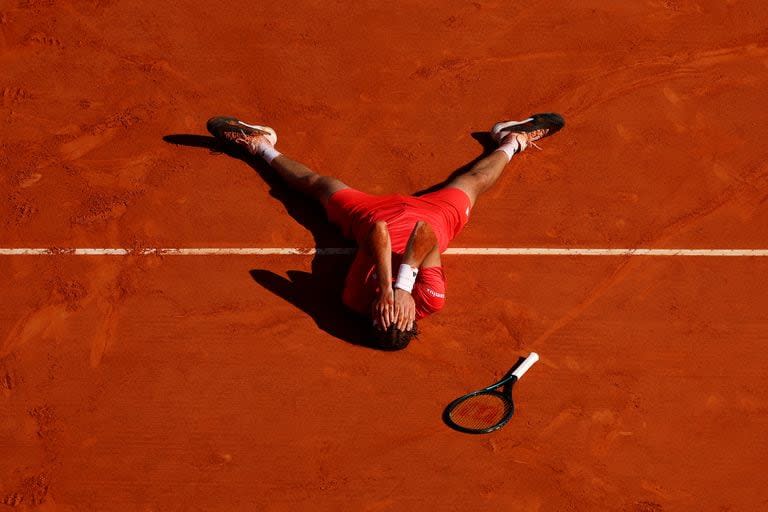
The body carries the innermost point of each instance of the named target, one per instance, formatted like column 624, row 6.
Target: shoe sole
column 550, row 121
column 219, row 124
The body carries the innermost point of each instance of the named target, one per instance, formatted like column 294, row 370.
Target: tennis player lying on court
column 399, row 232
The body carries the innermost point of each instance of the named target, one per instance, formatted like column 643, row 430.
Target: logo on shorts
column 435, row 294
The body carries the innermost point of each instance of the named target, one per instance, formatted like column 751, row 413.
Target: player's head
column 393, row 338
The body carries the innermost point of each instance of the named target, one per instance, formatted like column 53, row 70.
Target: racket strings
column 480, row 412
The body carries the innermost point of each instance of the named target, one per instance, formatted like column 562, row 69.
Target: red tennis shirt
column 446, row 211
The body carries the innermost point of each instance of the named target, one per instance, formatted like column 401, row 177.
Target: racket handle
column 525, row 365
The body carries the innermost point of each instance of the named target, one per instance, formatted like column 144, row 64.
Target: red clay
column 213, row 383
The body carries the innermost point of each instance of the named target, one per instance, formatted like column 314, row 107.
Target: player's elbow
column 378, row 231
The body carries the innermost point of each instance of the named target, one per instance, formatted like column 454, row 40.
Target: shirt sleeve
column 429, row 291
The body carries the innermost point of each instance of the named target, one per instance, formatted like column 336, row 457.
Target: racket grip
column 525, row 365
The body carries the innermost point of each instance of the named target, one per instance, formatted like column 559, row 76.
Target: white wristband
column 268, row 153
column 406, row 277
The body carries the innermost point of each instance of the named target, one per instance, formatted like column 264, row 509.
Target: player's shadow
column 306, row 212
column 317, row 293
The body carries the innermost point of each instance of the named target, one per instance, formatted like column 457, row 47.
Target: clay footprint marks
column 107, row 289
column 10, row 378
column 31, row 491
column 38, row 38
column 12, row 95
column 99, row 134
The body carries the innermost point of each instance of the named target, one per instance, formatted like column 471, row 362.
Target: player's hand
column 384, row 309
column 405, row 310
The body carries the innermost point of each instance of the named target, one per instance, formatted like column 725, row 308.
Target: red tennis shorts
column 446, row 211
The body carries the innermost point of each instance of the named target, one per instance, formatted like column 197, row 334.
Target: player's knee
column 473, row 184
column 310, row 180
column 481, row 180
column 313, row 185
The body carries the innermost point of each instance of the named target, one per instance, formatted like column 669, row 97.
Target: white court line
column 329, row 251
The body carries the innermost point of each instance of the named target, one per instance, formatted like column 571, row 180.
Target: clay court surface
column 159, row 382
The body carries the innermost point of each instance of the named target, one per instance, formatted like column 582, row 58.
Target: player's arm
column 422, row 245
column 379, row 246
column 422, row 249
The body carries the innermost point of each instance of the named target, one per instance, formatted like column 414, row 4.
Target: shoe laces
column 252, row 141
column 524, row 139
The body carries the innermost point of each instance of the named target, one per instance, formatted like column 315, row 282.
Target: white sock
column 263, row 149
column 267, row 152
column 510, row 148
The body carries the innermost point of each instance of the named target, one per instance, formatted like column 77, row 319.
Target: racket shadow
column 506, row 389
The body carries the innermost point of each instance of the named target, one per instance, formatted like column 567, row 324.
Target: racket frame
column 508, row 381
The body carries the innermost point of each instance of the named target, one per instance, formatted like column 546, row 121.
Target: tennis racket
column 487, row 409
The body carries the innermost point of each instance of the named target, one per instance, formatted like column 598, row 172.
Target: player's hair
column 393, row 338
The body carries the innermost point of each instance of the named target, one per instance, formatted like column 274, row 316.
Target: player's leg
column 512, row 137
column 303, row 179
column 260, row 141
column 481, row 176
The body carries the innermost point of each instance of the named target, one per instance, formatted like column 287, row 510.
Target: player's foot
column 518, row 135
column 256, row 139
